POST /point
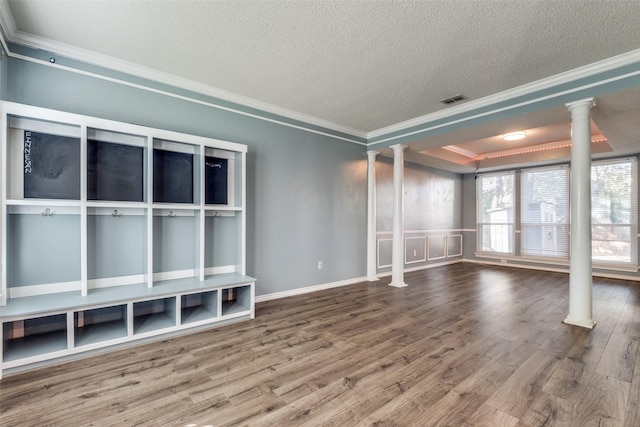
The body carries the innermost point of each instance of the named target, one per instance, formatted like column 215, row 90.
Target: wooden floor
column 463, row 345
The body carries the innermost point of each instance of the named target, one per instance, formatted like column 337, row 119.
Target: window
column 614, row 211
column 496, row 212
column 544, row 212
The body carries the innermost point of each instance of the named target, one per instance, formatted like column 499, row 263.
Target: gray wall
column 432, row 198
column 432, row 214
column 306, row 192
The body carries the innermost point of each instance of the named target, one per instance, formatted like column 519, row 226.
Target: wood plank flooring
column 463, row 345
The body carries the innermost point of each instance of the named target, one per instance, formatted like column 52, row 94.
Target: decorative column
column 372, row 264
column 580, row 268
column 397, row 256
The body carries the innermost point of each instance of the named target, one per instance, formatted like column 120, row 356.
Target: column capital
column 398, row 148
column 590, row 102
column 372, row 153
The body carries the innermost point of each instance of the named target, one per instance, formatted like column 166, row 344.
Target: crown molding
column 111, row 63
column 13, row 35
column 6, row 18
column 510, row 94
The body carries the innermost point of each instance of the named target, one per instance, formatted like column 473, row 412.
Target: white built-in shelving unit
column 113, row 233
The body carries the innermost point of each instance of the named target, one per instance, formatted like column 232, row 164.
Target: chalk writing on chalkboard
column 51, row 166
column 114, row 171
column 216, row 180
column 172, row 177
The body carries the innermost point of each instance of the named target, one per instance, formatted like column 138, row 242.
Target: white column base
column 583, row 323
column 398, row 285
column 372, row 279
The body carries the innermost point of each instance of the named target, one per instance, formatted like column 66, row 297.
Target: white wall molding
column 309, row 289
column 51, row 288
column 18, row 37
column 526, row 89
column 180, row 83
column 363, row 280
column 554, row 270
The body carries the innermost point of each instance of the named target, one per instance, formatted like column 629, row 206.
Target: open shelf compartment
column 153, row 315
column 236, row 300
column 34, row 337
column 201, row 306
column 100, row 324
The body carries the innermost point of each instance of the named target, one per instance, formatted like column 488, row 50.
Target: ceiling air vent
column 455, row 98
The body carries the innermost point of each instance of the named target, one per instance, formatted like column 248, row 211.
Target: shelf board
column 34, row 345
column 152, row 322
column 31, row 306
column 43, row 202
column 197, row 314
column 232, row 308
column 100, row 332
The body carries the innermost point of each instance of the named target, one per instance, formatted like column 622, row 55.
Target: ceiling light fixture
column 514, row 136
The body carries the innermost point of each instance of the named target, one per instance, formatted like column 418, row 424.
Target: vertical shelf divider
column 83, row 213
column 243, row 215
column 202, row 217
column 70, row 330
column 129, row 319
column 3, row 210
column 149, row 194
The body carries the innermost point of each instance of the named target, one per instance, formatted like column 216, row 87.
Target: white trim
column 444, row 249
column 347, row 282
column 50, row 288
column 378, row 253
column 6, row 20
column 424, row 249
column 308, row 289
column 461, row 246
column 208, row 271
column 424, row 267
column 555, row 270
column 170, row 275
column 555, row 80
column 507, row 108
column 115, row 281
column 113, row 64
column 437, row 230
column 89, row 57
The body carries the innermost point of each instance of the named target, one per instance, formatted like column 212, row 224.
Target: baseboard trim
column 556, row 270
column 340, row 283
column 309, row 289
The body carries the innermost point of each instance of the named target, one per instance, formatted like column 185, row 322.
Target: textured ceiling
column 361, row 64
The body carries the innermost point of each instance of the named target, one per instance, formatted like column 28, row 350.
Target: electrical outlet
column 415, row 252
column 319, row 265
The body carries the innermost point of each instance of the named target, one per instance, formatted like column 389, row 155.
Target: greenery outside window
column 544, row 212
column 496, row 204
column 614, row 207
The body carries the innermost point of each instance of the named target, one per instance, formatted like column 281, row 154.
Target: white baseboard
column 315, row 288
column 555, row 270
column 308, row 289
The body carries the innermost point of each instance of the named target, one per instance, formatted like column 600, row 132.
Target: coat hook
column 47, row 212
column 115, row 213
column 171, row 214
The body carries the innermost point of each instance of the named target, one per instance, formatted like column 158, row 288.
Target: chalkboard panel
column 114, row 172
column 51, row 166
column 216, row 177
column 172, row 177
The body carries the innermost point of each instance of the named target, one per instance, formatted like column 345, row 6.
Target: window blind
column 496, row 203
column 614, row 211
column 544, row 212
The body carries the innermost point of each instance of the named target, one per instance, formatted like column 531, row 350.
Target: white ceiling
column 359, row 65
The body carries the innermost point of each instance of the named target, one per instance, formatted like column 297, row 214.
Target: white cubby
column 122, row 232
column 99, row 325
